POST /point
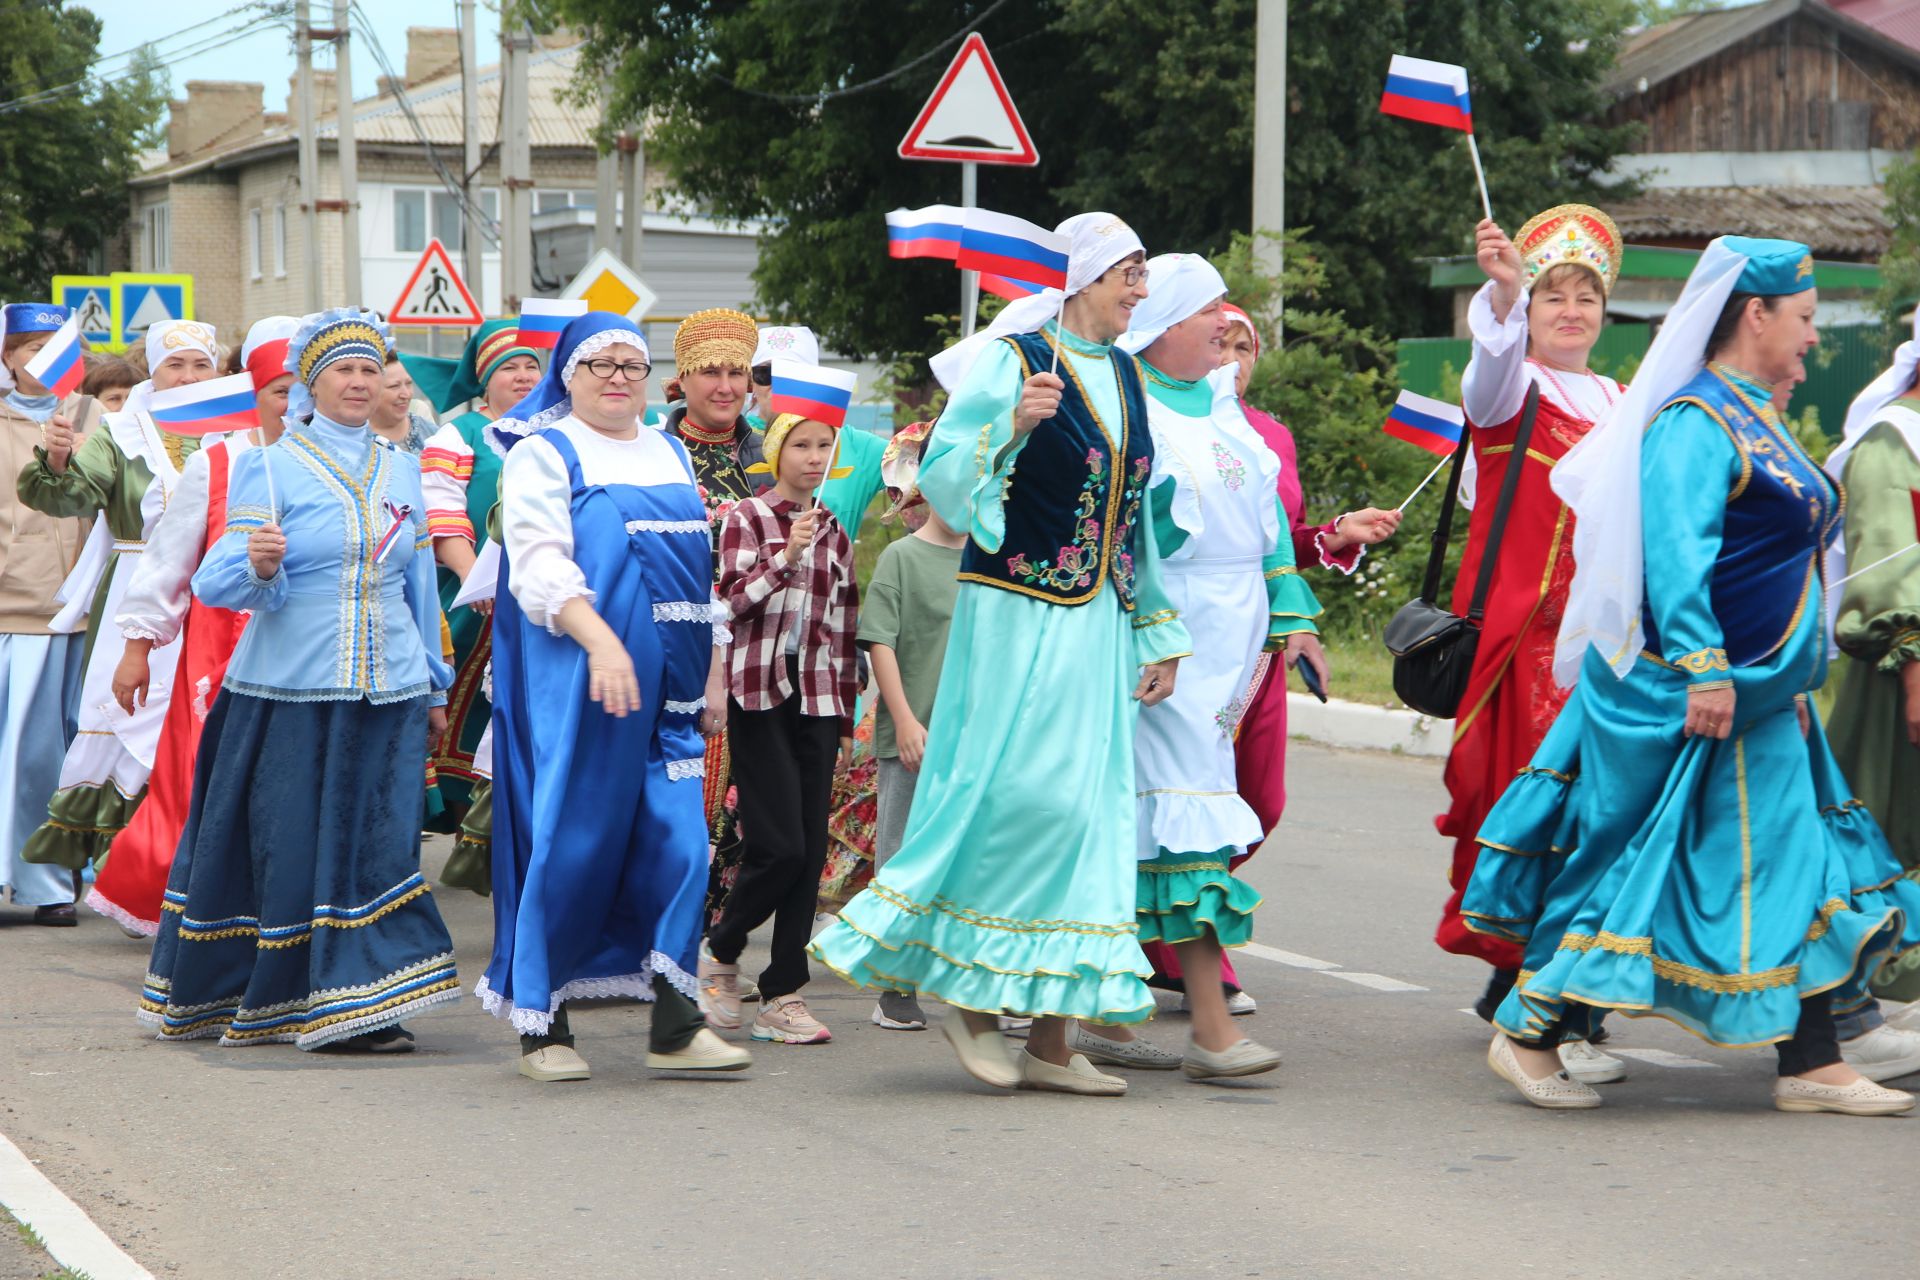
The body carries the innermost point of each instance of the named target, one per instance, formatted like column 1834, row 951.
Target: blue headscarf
column 584, row 337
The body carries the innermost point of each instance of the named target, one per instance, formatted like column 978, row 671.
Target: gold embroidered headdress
column 1570, row 233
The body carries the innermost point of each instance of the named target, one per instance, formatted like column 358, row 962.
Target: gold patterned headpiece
column 718, row 337
column 1576, row 234
column 336, row 335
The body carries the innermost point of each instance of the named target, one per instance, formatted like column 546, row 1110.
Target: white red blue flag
column 1434, row 425
column 1004, row 287
column 543, row 319
column 812, row 392
column 1003, row 245
column 202, row 408
column 61, row 365
column 1430, row 92
column 932, row 232
column 397, row 521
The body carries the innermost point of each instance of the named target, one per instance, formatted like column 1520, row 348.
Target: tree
column 791, row 112
column 65, row 156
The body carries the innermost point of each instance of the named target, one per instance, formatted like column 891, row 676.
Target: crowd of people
column 633, row 671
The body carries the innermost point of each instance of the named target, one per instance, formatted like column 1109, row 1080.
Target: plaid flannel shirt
column 763, row 593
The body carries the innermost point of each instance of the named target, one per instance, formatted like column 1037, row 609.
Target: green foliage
column 1900, row 264
column 64, row 162
column 1143, row 107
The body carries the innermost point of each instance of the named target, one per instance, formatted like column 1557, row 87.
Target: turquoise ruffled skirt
column 1014, row 888
column 1184, row 896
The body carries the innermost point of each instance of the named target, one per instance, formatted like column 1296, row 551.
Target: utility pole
column 516, row 163
column 1270, row 139
column 606, row 187
column 633, row 188
column 470, row 235
column 309, row 152
column 349, row 157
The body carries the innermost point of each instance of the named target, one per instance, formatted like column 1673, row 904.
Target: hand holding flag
column 61, row 365
column 1434, row 93
column 1434, row 425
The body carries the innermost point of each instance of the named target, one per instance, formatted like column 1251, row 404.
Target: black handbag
column 1433, row 647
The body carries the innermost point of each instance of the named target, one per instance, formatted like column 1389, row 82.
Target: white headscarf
column 170, row 337
column 787, row 342
column 1096, row 242
column 1862, row 415
column 271, row 329
column 1600, row 478
column 1180, row 285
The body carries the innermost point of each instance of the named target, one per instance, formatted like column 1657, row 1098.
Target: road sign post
column 970, row 119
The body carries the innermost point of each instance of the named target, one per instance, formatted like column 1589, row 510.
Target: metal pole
column 349, row 157
column 969, row 280
column 516, row 155
column 309, row 152
column 633, row 186
column 470, row 235
column 606, row 199
column 1270, row 140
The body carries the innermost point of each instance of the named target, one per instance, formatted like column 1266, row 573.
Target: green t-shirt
column 908, row 607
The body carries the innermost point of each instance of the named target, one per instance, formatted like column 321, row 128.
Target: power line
column 827, row 95
column 208, row 44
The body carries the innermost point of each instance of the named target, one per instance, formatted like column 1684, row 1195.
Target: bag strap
column 1437, row 557
column 1490, row 554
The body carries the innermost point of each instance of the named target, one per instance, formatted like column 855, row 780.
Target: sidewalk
column 1356, row 726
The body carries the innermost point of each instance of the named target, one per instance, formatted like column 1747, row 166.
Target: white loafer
column 984, row 1056
column 1078, row 1076
column 1121, row 1053
column 1590, row 1066
column 1244, row 1058
column 1557, row 1092
column 554, row 1062
column 705, row 1052
column 1861, row 1098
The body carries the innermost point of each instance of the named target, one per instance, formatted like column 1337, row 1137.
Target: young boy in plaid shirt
column 786, row 574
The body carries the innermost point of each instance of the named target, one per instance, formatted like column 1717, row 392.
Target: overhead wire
column 266, row 21
column 828, row 95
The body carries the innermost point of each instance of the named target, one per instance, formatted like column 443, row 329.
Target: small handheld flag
column 1915, row 496
column 201, row 408
column 1003, row 245
column 61, row 365
column 1434, row 425
column 542, row 319
column 812, row 392
column 397, row 516
column 1434, row 93
column 932, row 232
column 1003, row 287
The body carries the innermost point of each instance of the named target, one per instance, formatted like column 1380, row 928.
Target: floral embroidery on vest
column 1123, row 532
column 1077, row 562
column 1233, row 472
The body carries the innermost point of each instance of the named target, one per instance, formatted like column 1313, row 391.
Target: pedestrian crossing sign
column 90, row 298
column 142, row 301
column 435, row 294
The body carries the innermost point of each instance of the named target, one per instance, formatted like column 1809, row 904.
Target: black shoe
column 1497, row 988
column 392, row 1039
column 60, row 915
column 1161, row 982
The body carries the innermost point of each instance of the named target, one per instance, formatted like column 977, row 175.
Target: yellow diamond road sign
column 608, row 284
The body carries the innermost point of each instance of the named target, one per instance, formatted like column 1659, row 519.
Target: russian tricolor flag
column 202, row 408
column 1002, row 287
column 932, row 232
column 1434, row 425
column 1003, row 245
column 1430, row 92
column 812, row 392
column 542, row 319
column 61, row 365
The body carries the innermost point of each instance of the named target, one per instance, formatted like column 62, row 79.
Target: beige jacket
column 36, row 551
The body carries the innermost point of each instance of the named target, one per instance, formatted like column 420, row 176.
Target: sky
column 266, row 56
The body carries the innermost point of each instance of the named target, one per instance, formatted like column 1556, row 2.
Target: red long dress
column 1511, row 698
column 133, row 879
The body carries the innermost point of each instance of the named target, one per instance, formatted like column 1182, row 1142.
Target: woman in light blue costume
column 1682, row 844
column 1014, row 888
column 599, row 838
column 295, row 910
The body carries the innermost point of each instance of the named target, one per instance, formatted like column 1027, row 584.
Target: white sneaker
column 1239, row 1004
column 1884, row 1053
column 1901, row 1017
column 1590, row 1066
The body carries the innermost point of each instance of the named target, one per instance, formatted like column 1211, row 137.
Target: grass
column 1362, row 671
column 31, row 1238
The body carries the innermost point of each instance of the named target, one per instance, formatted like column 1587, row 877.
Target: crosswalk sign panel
column 90, row 298
column 142, row 301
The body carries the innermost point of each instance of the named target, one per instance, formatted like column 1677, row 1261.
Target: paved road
column 1382, row 1148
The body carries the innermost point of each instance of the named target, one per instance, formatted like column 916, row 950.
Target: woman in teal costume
column 1014, row 889
column 460, row 473
column 1683, row 845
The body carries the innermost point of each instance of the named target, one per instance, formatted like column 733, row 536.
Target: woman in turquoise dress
column 1014, row 888
column 1682, row 844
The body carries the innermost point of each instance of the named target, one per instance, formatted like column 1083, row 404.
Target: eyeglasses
column 762, row 375
column 636, row 370
column 1131, row 276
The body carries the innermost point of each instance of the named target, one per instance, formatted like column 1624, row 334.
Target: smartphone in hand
column 1311, row 678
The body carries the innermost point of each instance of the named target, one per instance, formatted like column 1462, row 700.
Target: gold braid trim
column 1684, row 974
column 1006, row 924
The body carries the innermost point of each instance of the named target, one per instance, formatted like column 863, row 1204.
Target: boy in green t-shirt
column 904, row 617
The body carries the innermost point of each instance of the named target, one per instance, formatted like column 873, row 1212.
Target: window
column 420, row 213
column 280, row 240
column 548, row 201
column 157, row 228
column 255, row 242
column 409, row 221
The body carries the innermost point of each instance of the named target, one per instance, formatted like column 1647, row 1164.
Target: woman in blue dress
column 1682, row 844
column 608, row 673
column 295, row 910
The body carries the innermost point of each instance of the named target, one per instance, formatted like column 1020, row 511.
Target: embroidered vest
column 1071, row 515
column 1781, row 514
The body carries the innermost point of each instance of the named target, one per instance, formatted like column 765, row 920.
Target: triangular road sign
column 970, row 115
column 435, row 294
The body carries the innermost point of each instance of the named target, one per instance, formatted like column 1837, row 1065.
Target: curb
column 1356, row 726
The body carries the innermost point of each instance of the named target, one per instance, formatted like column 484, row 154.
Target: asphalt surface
column 1383, row 1146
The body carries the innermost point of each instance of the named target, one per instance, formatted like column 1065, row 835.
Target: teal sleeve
column 1689, row 470
column 1168, row 536
column 1291, row 604
column 967, row 462
column 1158, row 633
column 849, row 496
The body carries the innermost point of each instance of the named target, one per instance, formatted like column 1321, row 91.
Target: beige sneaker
column 719, row 998
column 555, row 1062
column 1078, row 1076
column 1861, row 1098
column 705, row 1052
column 787, row 1021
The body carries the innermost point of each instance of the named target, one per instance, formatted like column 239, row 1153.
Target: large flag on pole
column 932, row 232
column 1003, row 245
column 61, row 365
column 1431, row 92
column 1434, row 425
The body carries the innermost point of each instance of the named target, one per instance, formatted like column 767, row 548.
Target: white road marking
column 1659, row 1057
column 63, row 1227
column 1379, row 982
column 1291, row 959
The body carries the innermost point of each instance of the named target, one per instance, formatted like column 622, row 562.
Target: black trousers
column 676, row 1019
column 1814, row 1043
column 783, row 769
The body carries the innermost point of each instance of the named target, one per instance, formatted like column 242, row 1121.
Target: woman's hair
column 106, row 374
column 1729, row 320
column 234, row 364
column 1564, row 275
column 136, row 355
column 15, row 341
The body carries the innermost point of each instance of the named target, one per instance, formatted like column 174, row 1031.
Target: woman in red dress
column 1534, row 324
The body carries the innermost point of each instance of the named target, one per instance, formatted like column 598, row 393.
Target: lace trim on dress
column 667, row 526
column 682, row 770
column 629, row 986
column 693, row 708
column 683, row 611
